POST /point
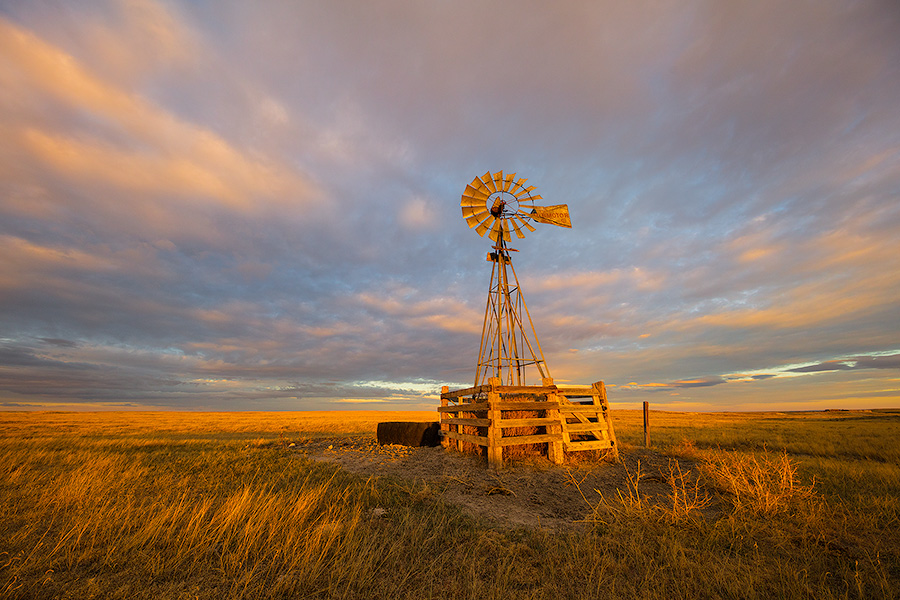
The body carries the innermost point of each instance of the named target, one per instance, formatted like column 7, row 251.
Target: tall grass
column 148, row 507
column 154, row 520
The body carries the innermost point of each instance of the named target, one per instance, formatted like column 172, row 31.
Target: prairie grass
column 185, row 505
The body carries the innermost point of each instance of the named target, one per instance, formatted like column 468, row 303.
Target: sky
column 223, row 205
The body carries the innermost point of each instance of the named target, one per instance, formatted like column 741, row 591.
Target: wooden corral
column 573, row 419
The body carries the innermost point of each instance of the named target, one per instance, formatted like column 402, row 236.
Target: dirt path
column 530, row 492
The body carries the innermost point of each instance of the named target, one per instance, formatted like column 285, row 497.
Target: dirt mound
column 530, row 492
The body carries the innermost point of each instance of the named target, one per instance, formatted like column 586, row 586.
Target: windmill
column 499, row 205
column 503, row 410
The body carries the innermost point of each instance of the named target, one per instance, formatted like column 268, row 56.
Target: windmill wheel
column 498, row 204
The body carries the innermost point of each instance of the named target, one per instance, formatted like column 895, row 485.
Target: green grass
column 184, row 505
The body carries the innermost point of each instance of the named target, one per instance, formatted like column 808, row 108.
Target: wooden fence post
column 445, row 428
column 494, row 433
column 646, row 424
column 555, row 451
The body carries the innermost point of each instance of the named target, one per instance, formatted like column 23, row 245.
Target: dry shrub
column 685, row 501
column 766, row 483
column 687, row 495
column 763, row 485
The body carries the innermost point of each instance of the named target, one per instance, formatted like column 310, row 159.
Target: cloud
column 119, row 142
column 699, row 382
column 831, row 365
column 416, row 214
column 891, row 361
column 360, row 401
column 59, row 342
column 225, row 205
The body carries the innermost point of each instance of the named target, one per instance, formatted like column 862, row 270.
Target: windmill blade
column 518, row 231
column 474, row 215
column 552, row 215
column 472, row 201
column 468, row 211
column 479, row 186
column 507, row 181
column 498, row 180
column 475, row 193
column 525, row 222
column 517, row 186
column 486, row 219
column 488, row 180
column 474, row 220
column 505, row 231
column 484, row 227
column 483, row 183
column 525, row 191
column 496, row 229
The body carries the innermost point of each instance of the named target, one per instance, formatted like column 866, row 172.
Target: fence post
column 494, row 433
column 445, row 428
column 555, row 451
column 646, row 424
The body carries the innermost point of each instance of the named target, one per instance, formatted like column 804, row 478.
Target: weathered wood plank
column 590, row 445
column 465, row 437
column 473, row 422
column 584, row 419
column 582, row 427
column 535, row 422
column 531, row 439
column 577, row 391
column 466, row 392
column 524, row 389
column 474, row 407
column 590, row 408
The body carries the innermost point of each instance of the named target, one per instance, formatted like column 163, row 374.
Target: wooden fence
column 572, row 418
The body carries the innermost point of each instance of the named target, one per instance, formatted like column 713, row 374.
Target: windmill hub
column 504, row 205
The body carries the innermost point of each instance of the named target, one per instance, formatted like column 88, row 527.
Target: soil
column 529, row 492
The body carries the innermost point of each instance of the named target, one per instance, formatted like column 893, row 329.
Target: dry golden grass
column 185, row 505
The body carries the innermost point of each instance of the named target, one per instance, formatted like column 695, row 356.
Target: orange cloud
column 27, row 263
column 446, row 313
column 162, row 154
